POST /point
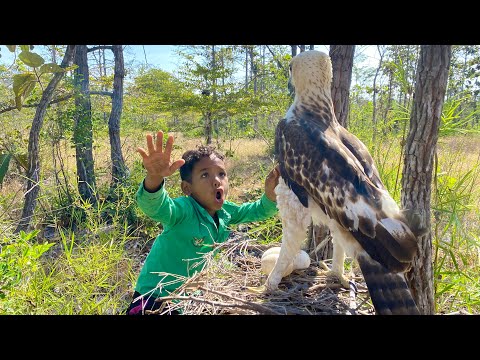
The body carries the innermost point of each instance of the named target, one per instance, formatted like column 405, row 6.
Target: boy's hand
column 271, row 182
column 157, row 162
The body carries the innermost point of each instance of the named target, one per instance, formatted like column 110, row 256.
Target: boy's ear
column 186, row 187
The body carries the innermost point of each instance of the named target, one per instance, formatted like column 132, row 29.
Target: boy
column 193, row 223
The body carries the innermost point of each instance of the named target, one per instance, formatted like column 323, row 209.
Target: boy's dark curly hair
column 191, row 157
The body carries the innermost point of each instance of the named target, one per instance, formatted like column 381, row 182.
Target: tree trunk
column 33, row 172
column 254, row 73
column 119, row 169
column 208, row 127
column 342, row 66
column 431, row 83
column 374, row 100
column 294, row 50
column 83, row 131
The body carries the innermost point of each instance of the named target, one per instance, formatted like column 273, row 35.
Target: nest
column 230, row 284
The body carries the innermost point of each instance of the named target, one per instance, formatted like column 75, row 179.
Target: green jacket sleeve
column 159, row 206
column 261, row 209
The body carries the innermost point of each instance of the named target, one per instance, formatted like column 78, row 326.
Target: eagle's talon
column 323, row 265
column 341, row 278
column 257, row 289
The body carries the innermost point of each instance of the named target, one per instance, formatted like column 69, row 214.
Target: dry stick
column 247, row 306
column 255, row 306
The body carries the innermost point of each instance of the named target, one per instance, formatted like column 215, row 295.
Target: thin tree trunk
column 431, row 83
column 246, row 67
column 389, row 100
column 294, row 50
column 119, row 169
column 33, row 172
column 374, row 115
column 208, row 127
column 342, row 66
column 83, row 132
column 254, row 72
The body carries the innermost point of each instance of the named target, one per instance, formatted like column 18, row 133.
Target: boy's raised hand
column 271, row 182
column 157, row 161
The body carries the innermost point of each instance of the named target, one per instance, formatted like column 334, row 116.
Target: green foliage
column 31, row 59
column 456, row 248
column 25, row 82
column 18, row 261
column 456, row 117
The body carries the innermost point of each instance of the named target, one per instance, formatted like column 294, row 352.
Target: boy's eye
column 204, row 175
column 222, row 174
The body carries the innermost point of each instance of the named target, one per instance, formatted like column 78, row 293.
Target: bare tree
column 33, row 172
column 294, row 50
column 430, row 87
column 381, row 52
column 119, row 169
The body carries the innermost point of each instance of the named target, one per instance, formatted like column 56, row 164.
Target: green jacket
column 188, row 233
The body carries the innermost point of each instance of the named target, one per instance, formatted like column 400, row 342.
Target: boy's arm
column 159, row 206
column 261, row 209
column 151, row 196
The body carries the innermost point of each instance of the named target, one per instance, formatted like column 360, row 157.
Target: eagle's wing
column 339, row 175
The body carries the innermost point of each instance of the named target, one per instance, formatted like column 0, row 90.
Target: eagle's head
column 310, row 70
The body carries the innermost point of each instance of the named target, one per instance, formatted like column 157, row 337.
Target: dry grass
column 225, row 285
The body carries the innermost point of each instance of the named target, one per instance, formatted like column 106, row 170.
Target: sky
column 163, row 57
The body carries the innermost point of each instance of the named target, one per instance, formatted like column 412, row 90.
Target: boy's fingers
column 142, row 152
column 159, row 142
column 150, row 147
column 273, row 173
column 176, row 165
column 169, row 146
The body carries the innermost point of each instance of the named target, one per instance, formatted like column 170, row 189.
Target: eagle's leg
column 338, row 262
column 292, row 240
column 295, row 220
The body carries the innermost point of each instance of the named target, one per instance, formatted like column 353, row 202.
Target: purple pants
column 139, row 306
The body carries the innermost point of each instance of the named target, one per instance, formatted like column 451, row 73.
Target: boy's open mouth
column 219, row 195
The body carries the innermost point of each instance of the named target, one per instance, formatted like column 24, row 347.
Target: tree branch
column 57, row 100
column 99, row 48
column 275, row 58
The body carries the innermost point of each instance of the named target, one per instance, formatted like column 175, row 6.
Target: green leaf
column 50, row 68
column 23, row 84
column 4, row 162
column 31, row 59
column 25, row 48
column 11, row 47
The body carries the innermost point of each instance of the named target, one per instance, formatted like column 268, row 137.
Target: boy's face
column 209, row 186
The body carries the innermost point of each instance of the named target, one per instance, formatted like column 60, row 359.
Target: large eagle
column 329, row 177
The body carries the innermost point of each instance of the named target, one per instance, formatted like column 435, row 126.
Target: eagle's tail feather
column 389, row 291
